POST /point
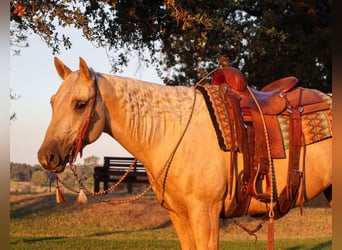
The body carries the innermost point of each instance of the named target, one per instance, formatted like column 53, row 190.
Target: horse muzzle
column 51, row 161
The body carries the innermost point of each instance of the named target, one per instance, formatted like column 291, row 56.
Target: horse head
column 77, row 117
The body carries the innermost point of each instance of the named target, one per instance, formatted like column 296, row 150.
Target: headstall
column 79, row 141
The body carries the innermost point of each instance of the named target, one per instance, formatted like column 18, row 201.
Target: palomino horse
column 170, row 131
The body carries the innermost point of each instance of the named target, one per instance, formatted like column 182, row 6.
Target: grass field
column 37, row 222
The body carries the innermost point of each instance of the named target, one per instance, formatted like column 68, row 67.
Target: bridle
column 80, row 138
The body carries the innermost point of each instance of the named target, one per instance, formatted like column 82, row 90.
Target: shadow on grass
column 106, row 233
column 323, row 245
column 35, row 239
column 163, row 225
column 36, row 204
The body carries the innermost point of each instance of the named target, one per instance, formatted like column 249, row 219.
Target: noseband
column 79, row 141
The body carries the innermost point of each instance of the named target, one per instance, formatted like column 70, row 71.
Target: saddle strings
column 270, row 234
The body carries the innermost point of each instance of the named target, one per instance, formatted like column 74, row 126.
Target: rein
column 168, row 163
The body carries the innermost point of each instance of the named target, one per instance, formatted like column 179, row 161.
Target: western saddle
column 257, row 134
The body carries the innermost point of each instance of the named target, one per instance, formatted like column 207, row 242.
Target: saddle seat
column 282, row 85
column 270, row 98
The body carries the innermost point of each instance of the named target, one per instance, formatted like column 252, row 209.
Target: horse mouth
column 54, row 161
column 58, row 169
column 62, row 164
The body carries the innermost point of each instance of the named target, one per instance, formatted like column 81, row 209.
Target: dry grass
column 33, row 215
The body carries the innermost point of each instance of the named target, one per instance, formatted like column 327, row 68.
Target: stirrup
column 252, row 190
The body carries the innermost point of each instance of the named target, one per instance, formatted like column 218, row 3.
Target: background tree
column 18, row 39
column 13, row 96
column 21, row 171
column 91, row 161
column 266, row 39
column 39, row 178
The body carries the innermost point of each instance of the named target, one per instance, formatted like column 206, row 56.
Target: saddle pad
column 218, row 114
column 316, row 126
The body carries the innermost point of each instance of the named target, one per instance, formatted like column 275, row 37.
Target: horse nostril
column 48, row 159
column 51, row 157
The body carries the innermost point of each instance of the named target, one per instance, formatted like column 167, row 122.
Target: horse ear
column 84, row 69
column 62, row 70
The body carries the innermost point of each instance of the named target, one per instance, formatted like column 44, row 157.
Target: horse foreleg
column 328, row 194
column 204, row 220
column 183, row 229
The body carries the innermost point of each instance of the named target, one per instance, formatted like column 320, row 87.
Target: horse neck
column 146, row 118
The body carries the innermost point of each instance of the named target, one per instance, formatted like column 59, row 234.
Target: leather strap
column 80, row 138
column 294, row 176
column 238, row 131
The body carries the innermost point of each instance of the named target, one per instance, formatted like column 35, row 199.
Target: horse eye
column 81, row 104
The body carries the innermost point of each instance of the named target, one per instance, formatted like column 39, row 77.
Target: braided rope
column 270, row 233
column 87, row 191
column 270, row 160
column 65, row 185
column 110, row 189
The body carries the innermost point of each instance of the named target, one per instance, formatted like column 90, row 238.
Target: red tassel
column 59, row 196
column 270, row 235
column 82, row 198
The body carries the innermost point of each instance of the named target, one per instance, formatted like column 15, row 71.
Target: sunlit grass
column 37, row 222
column 80, row 243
